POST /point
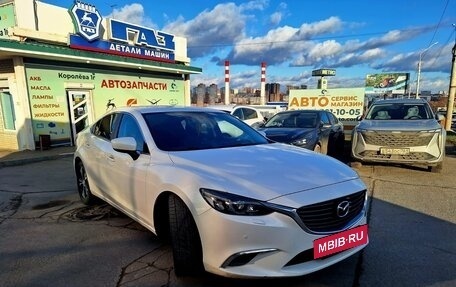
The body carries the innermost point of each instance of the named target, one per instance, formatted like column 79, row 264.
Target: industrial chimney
column 263, row 84
column 227, row 82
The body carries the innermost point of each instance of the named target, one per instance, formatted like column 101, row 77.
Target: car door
column 96, row 147
column 326, row 132
column 336, row 135
column 127, row 184
column 248, row 115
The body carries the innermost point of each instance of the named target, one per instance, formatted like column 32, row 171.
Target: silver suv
column 403, row 131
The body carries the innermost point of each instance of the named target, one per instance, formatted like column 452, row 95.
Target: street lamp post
column 417, row 95
column 452, row 89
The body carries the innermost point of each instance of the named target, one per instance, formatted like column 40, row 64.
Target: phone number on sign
column 345, row 112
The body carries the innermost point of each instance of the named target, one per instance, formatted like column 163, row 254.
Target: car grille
column 400, row 139
column 322, row 216
column 413, row 156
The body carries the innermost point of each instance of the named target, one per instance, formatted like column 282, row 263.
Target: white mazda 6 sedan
column 229, row 200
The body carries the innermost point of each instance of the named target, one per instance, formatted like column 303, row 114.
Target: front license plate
column 340, row 241
column 401, row 151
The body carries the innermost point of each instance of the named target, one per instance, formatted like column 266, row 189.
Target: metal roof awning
column 9, row 48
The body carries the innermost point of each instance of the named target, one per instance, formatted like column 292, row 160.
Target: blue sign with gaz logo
column 125, row 39
column 141, row 36
column 87, row 20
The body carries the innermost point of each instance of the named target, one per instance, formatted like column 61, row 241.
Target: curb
column 23, row 161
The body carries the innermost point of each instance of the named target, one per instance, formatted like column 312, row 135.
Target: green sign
column 7, row 19
column 395, row 83
column 49, row 103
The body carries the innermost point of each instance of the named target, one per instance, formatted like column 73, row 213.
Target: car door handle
column 111, row 157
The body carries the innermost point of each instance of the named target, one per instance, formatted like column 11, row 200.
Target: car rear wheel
column 185, row 240
column 85, row 194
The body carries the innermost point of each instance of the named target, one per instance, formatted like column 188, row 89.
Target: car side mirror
column 260, row 125
column 125, row 145
column 325, row 126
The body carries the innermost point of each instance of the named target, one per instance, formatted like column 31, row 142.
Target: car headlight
column 300, row 142
column 234, row 204
column 432, row 131
column 308, row 138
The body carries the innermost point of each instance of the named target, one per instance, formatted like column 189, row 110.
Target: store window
column 7, row 105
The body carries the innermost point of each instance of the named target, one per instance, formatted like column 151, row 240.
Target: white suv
column 248, row 114
column 400, row 131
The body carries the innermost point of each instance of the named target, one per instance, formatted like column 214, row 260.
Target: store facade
column 63, row 67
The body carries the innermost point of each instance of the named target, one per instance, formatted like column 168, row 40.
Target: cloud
column 132, row 13
column 275, row 18
column 210, row 30
column 282, row 44
column 254, row 5
column 432, row 60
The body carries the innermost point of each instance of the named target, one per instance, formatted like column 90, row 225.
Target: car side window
column 249, row 114
column 238, row 113
column 129, row 128
column 334, row 120
column 104, row 127
column 324, row 119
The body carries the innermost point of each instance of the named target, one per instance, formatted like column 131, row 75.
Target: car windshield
column 180, row 131
column 293, row 120
column 399, row 111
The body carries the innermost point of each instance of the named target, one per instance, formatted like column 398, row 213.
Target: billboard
column 7, row 19
column 49, row 103
column 345, row 104
column 387, row 83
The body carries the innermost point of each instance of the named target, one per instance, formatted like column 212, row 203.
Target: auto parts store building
column 61, row 68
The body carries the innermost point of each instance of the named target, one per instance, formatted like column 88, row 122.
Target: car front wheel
column 185, row 239
column 85, row 194
column 436, row 168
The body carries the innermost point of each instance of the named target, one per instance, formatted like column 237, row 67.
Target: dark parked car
column 316, row 130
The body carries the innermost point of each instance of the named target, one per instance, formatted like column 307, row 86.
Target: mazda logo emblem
column 343, row 208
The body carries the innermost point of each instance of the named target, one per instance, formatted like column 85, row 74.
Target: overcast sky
column 356, row 38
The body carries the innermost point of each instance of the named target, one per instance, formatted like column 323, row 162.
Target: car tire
column 185, row 239
column 436, row 168
column 85, row 194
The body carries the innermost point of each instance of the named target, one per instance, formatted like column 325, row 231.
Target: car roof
column 300, row 111
column 161, row 109
column 399, row 101
column 229, row 107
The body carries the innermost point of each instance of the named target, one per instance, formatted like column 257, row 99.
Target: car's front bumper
column 406, row 147
column 273, row 245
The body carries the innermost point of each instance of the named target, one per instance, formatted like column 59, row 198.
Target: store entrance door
column 80, row 111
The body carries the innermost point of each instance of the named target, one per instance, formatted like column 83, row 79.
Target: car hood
column 286, row 135
column 263, row 171
column 399, row 125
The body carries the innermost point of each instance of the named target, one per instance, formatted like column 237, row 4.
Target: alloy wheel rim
column 83, row 183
